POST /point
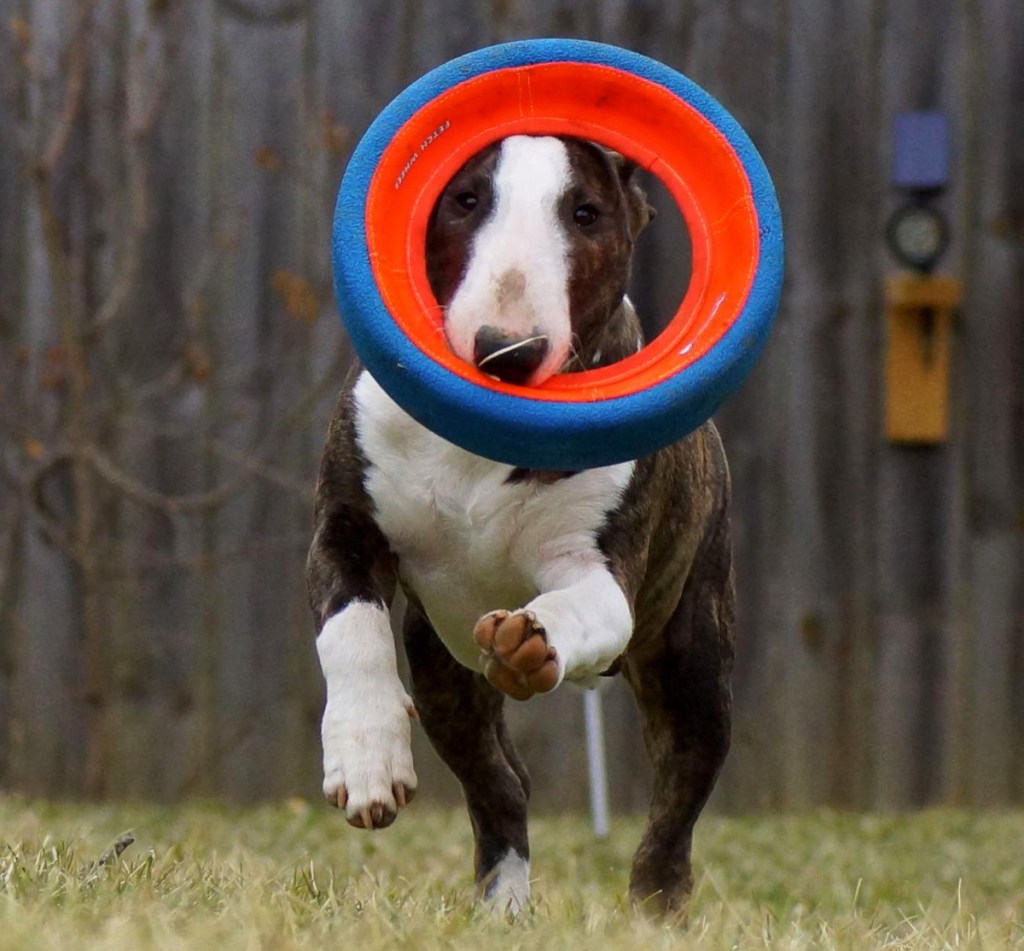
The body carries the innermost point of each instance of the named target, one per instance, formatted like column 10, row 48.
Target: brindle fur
column 667, row 544
column 349, row 558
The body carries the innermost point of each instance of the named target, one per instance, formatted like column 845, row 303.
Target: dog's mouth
column 508, row 359
column 515, row 362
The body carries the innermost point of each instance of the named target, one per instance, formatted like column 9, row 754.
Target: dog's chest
column 468, row 541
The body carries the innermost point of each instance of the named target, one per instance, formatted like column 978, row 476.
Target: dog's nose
column 511, row 359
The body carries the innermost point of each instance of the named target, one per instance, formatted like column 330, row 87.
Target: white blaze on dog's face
column 528, row 250
column 517, row 274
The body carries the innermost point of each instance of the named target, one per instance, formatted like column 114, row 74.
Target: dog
column 518, row 580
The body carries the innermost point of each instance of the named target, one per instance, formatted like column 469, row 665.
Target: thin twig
column 252, row 463
column 51, row 525
column 74, row 92
column 8, row 553
column 168, row 504
column 219, row 447
column 142, row 564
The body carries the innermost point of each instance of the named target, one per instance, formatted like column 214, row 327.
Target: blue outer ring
column 524, row 431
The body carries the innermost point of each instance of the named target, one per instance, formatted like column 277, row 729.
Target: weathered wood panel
column 993, row 333
column 196, row 153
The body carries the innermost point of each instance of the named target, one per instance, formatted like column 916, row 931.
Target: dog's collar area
column 543, row 476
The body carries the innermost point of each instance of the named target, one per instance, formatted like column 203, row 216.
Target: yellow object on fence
column 919, row 324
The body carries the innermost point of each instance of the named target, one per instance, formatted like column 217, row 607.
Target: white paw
column 368, row 768
column 507, row 889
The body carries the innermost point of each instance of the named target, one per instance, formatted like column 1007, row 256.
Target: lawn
column 295, row 876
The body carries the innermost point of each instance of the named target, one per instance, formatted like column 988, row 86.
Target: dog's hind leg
column 463, row 717
column 681, row 683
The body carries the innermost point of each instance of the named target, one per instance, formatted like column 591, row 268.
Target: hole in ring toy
column 619, row 99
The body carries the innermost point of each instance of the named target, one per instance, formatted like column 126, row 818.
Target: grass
column 294, row 876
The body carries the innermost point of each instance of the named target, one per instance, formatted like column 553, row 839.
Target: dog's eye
column 467, row 200
column 585, row 215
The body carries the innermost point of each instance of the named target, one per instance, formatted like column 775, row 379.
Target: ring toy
column 621, row 100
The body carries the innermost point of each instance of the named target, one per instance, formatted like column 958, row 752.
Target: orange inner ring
column 634, row 116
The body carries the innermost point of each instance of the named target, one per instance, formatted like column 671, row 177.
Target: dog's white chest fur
column 468, row 541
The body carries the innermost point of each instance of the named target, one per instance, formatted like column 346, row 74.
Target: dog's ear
column 641, row 212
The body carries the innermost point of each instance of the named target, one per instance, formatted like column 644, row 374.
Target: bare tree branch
column 131, row 488
column 136, row 563
column 124, row 280
column 219, row 447
column 74, row 92
column 8, row 554
column 139, row 124
column 34, row 489
column 252, row 463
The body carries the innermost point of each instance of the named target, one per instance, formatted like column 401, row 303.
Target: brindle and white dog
column 517, row 579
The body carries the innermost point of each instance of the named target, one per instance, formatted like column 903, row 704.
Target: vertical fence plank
column 851, row 511
column 801, row 601
column 919, row 56
column 46, row 733
column 757, row 96
column 256, row 121
column 993, row 337
column 12, row 307
column 190, row 234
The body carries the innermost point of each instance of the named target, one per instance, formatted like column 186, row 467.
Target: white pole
column 596, row 762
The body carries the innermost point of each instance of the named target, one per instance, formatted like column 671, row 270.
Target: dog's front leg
column 350, row 574
column 573, row 630
column 368, row 769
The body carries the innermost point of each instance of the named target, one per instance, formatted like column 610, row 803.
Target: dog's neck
column 620, row 336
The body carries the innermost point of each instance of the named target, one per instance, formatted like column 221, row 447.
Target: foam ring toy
column 622, row 100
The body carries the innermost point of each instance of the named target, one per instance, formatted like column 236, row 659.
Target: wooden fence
column 169, row 352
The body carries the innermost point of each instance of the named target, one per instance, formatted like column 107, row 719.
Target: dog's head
column 528, row 251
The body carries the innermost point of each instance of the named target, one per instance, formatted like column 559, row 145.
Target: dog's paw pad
column 374, row 814
column 517, row 658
